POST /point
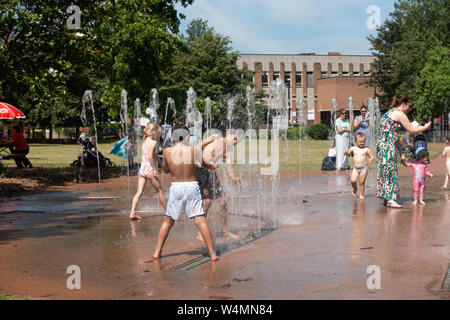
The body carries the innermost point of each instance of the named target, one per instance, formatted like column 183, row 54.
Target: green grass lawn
column 313, row 152
column 311, row 156
column 62, row 155
column 8, row 297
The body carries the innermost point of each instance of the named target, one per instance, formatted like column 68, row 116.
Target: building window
column 345, row 74
column 298, row 79
column 323, row 75
column 310, row 81
column 334, row 74
column 366, row 74
column 276, row 75
column 265, row 79
column 356, row 74
column 287, row 78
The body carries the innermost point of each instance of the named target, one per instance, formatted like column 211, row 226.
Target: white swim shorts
column 184, row 196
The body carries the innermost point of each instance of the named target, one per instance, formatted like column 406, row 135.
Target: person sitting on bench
column 19, row 149
column 5, row 134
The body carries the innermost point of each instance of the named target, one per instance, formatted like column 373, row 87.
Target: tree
column 402, row 44
column 139, row 49
column 208, row 64
column 433, row 83
column 46, row 67
column 196, row 29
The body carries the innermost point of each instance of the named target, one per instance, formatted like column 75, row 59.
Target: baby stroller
column 88, row 157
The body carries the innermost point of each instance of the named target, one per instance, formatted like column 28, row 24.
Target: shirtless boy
column 362, row 159
column 446, row 155
column 184, row 192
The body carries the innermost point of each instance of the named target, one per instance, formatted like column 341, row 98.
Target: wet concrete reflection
column 324, row 242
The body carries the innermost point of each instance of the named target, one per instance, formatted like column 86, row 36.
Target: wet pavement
column 307, row 241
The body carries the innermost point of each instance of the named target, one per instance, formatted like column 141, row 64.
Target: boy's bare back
column 179, row 162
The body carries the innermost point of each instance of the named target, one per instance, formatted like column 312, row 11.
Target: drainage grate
column 252, row 236
column 446, row 283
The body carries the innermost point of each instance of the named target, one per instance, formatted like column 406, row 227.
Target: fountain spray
column 302, row 121
column 333, row 119
column 137, row 129
column 124, row 124
column 208, row 113
column 194, row 118
column 153, row 106
column 171, row 103
column 89, row 101
column 350, row 111
column 230, row 108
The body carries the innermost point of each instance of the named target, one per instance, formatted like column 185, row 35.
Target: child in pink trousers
column 421, row 171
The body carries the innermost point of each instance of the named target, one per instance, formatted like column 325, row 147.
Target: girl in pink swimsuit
column 146, row 167
column 148, row 170
column 421, row 172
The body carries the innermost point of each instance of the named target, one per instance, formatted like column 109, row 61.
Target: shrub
column 38, row 134
column 293, row 133
column 318, row 131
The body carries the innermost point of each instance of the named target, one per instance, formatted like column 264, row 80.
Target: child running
column 420, row 168
column 446, row 155
column 148, row 170
column 184, row 191
column 362, row 159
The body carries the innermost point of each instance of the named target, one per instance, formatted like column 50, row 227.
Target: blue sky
column 290, row 26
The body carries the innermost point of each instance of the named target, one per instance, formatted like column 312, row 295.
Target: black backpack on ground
column 329, row 163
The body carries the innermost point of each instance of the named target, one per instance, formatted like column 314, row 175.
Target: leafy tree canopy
column 404, row 42
column 208, row 64
column 46, row 67
column 433, row 83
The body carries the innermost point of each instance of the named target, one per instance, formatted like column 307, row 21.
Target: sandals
column 393, row 204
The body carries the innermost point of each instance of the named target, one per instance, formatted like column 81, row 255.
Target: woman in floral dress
column 387, row 146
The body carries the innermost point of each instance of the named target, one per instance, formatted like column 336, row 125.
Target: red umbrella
column 7, row 111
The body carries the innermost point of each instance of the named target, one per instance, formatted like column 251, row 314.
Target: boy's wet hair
column 179, row 132
column 360, row 135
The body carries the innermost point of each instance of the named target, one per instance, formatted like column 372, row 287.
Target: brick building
column 318, row 78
